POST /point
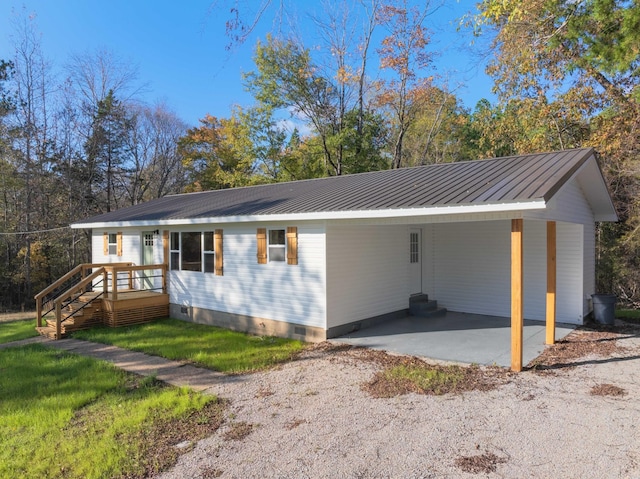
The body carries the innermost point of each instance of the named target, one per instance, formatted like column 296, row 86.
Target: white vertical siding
column 570, row 205
column 471, row 264
column 130, row 246
column 131, row 251
column 276, row 290
column 569, row 255
column 428, row 255
column 367, row 272
column 534, row 270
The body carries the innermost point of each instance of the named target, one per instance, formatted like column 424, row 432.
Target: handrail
column 103, row 269
column 115, row 269
column 60, row 281
column 68, row 293
column 56, row 284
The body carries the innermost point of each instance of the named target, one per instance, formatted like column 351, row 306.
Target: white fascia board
column 538, row 204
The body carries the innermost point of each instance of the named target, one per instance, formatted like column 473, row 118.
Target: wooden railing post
column 58, row 320
column 39, row 311
column 164, row 278
column 114, row 284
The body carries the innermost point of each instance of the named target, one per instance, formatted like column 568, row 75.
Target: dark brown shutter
column 119, row 239
column 292, row 245
column 217, row 247
column 105, row 238
column 261, row 236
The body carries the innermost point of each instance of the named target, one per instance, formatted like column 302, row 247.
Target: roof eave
column 535, row 204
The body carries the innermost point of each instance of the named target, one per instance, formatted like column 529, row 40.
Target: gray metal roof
column 497, row 180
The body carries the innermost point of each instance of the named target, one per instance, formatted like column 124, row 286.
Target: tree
column 403, row 52
column 218, row 154
column 154, row 167
column 580, row 61
column 107, row 150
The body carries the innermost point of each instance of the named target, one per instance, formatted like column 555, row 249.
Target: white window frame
column 205, row 254
column 278, row 246
column 173, row 251
column 208, row 253
column 112, row 246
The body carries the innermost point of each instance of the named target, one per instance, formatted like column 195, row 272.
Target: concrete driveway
column 459, row 337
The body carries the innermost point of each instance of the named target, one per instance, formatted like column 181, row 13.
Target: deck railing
column 49, row 299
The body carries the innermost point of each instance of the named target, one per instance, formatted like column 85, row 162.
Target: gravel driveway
column 311, row 418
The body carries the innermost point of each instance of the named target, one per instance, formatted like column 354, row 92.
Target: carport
column 458, row 337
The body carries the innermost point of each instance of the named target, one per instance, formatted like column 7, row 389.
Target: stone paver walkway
column 172, row 372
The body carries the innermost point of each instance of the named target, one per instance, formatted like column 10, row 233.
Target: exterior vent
column 300, row 330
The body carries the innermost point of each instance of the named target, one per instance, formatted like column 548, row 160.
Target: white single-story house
column 314, row 259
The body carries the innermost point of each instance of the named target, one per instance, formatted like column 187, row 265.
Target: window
column 191, row 251
column 414, row 248
column 276, row 245
column 175, row 251
column 209, row 254
column 196, row 251
column 113, row 243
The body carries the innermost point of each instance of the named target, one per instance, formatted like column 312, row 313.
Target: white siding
column 469, row 268
column 570, row 291
column 367, row 272
column 130, row 246
column 570, row 205
column 276, row 290
column 131, row 250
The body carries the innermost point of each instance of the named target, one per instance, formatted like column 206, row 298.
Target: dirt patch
column 238, row 431
column 594, row 340
column 6, row 317
column 407, row 374
column 484, row 463
column 607, row 390
column 159, row 441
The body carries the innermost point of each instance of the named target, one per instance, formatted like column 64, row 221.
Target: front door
column 415, row 260
column 147, row 258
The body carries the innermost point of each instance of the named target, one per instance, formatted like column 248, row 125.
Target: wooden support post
column 164, row 278
column 58, row 320
column 131, row 279
column 39, row 311
column 517, row 319
column 165, row 247
column 114, row 284
column 551, row 283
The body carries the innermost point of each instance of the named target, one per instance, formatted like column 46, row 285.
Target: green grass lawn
column 66, row 416
column 208, row 346
column 628, row 314
column 16, row 330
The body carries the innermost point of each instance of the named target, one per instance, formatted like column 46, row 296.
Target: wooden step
column 47, row 332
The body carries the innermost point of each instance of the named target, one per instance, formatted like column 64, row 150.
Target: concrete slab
column 458, row 337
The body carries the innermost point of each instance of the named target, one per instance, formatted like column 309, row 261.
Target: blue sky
column 179, row 47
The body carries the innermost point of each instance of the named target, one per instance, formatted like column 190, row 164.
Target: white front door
column 415, row 260
column 147, row 258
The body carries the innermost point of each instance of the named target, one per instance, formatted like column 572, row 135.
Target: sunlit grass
column 16, row 330
column 63, row 415
column 208, row 346
column 434, row 380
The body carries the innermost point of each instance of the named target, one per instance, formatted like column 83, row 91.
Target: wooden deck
column 77, row 308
